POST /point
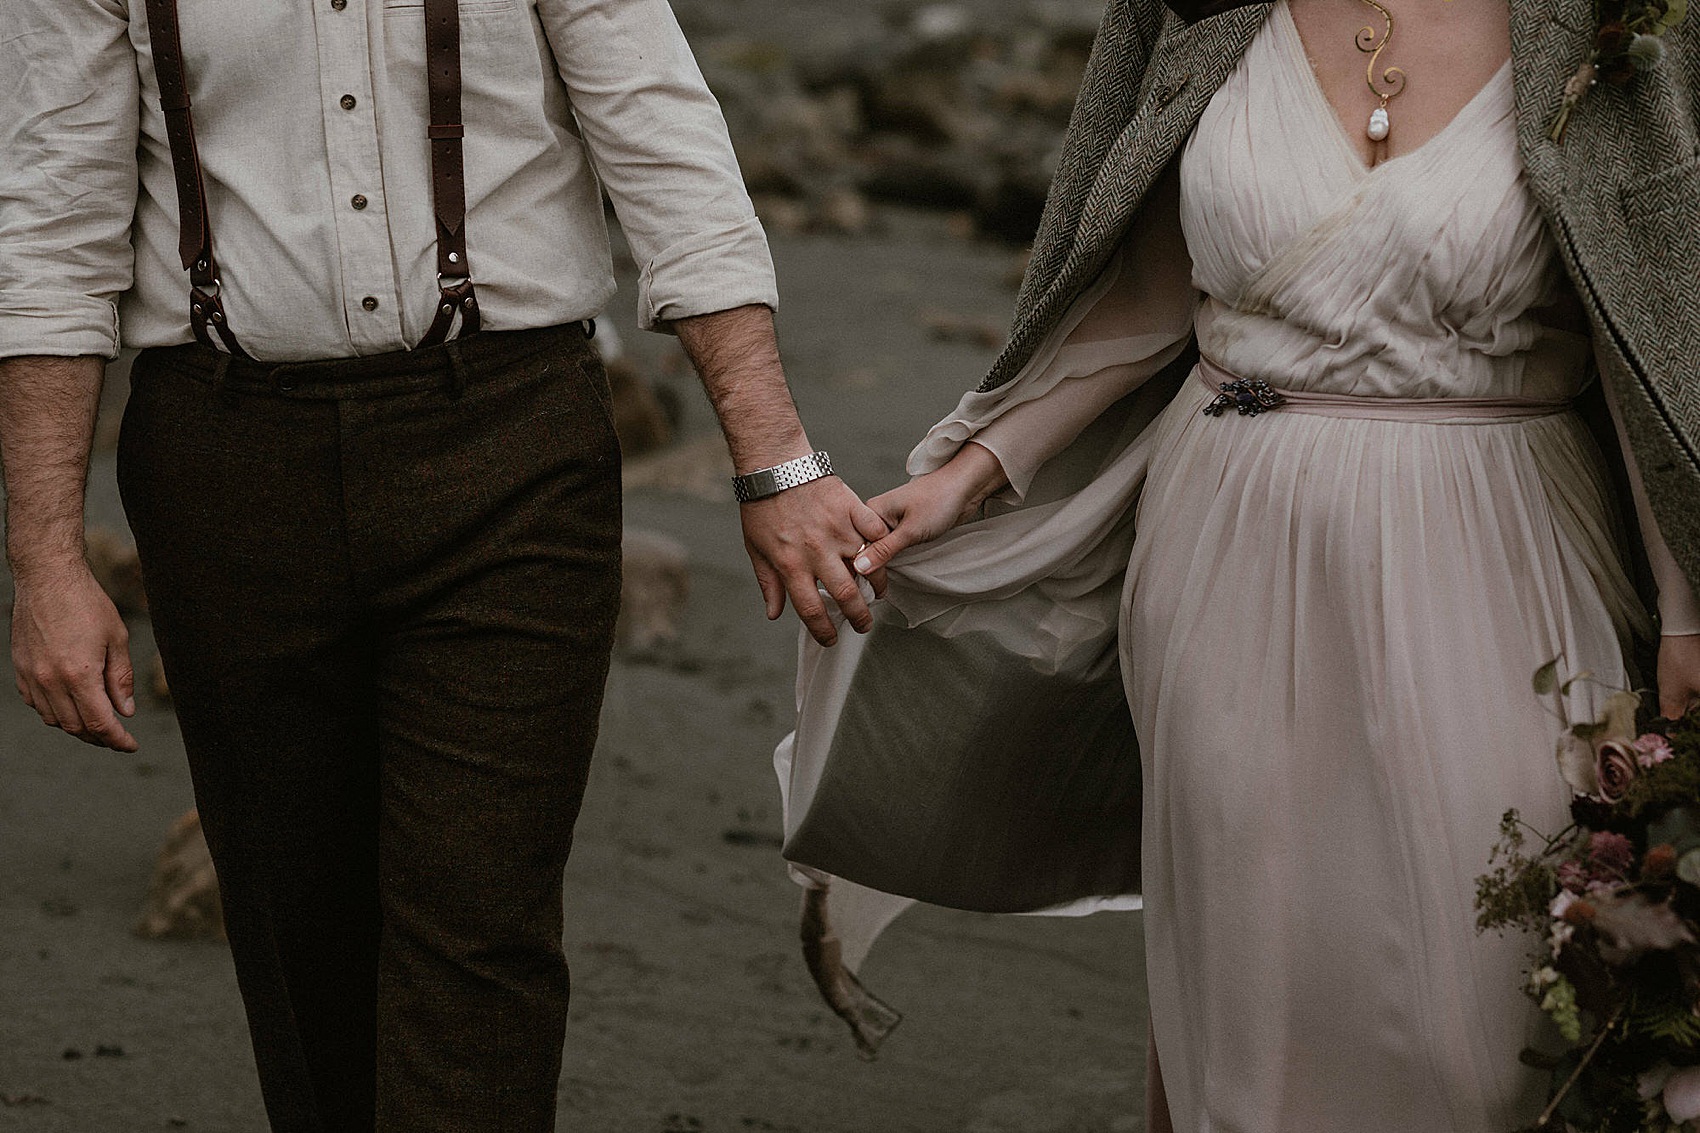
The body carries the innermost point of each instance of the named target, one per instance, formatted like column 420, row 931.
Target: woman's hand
column 1679, row 672
column 930, row 505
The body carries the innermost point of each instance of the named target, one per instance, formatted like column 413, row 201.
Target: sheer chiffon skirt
column 1330, row 627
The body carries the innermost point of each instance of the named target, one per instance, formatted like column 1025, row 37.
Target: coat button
column 358, row 200
column 338, row 5
column 370, row 303
column 348, row 102
column 1169, row 91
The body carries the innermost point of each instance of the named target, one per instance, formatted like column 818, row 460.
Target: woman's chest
column 1420, row 63
column 1275, row 189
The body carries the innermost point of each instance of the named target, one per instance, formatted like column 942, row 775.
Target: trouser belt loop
column 221, row 370
column 457, row 369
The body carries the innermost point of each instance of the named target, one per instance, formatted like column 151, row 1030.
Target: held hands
column 71, row 656
column 1679, row 674
column 812, row 531
column 929, row 505
column 807, row 533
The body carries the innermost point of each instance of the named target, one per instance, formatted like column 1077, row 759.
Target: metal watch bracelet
column 765, row 482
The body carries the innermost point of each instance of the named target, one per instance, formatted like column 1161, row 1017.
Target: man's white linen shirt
column 310, row 119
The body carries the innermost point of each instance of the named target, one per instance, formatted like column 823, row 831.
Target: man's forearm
column 47, row 417
column 736, row 353
column 800, row 540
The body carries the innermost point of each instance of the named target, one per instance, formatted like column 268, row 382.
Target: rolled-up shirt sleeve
column 68, row 182
column 658, row 140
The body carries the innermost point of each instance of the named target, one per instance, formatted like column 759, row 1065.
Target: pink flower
column 1652, row 749
column 1610, row 856
column 1573, row 876
column 1616, row 765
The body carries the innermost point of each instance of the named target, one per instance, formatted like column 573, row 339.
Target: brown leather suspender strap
column 194, row 242
column 448, row 180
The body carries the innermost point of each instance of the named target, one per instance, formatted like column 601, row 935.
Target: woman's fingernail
column 864, row 565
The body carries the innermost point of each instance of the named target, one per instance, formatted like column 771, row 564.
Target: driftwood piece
column 156, row 682
column 641, row 416
column 183, row 901
column 701, row 468
column 655, row 583
column 112, row 558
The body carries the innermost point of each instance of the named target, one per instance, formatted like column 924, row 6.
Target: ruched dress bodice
column 1422, row 277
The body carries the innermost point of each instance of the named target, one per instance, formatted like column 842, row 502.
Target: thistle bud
column 1646, row 51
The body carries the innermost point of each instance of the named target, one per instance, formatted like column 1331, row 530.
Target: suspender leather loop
column 448, row 189
column 194, row 240
column 448, row 173
column 206, row 310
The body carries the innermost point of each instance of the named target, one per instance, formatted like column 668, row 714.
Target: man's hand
column 1679, row 674
column 811, row 533
column 804, row 534
column 71, row 656
column 70, row 649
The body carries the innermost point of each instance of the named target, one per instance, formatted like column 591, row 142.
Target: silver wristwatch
column 767, row 482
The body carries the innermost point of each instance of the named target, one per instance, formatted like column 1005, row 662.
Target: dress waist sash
column 1426, row 410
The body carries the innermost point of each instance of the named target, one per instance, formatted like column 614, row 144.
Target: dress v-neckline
column 1308, row 78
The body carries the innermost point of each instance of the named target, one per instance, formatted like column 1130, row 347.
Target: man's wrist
column 754, row 453
column 30, row 569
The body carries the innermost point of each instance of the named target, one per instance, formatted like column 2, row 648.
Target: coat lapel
column 1188, row 65
column 1549, row 40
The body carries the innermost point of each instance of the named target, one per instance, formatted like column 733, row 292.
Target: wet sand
column 692, row 1010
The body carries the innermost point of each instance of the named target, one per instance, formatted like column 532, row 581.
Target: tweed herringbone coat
column 1621, row 194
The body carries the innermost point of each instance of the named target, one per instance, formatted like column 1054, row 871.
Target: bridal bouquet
column 1615, row 901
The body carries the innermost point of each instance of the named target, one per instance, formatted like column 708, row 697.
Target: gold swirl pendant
column 1390, row 83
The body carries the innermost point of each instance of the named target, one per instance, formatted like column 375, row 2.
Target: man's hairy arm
column 70, row 649
column 804, row 533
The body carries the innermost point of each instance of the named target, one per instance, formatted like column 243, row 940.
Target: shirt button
column 338, row 5
column 370, row 303
column 358, row 200
column 348, row 102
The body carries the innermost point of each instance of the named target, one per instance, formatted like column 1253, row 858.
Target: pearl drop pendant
column 1379, row 125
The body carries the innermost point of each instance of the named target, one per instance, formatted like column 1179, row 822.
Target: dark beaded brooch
column 1250, row 397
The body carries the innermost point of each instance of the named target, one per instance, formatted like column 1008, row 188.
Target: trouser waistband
column 452, row 363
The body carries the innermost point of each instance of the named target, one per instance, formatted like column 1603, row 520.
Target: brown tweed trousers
column 384, row 589
column 1621, row 194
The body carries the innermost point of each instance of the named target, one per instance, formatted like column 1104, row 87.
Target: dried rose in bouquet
column 1615, row 901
